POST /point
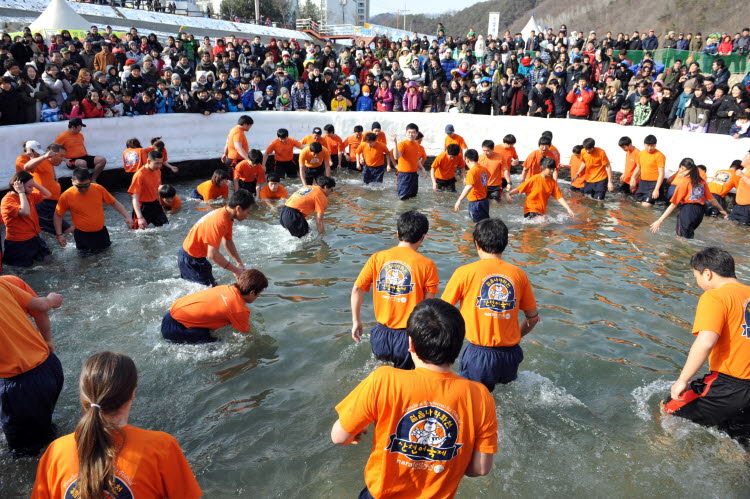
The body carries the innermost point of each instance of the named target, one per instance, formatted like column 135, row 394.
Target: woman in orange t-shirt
column 23, row 245
column 691, row 196
column 106, row 454
column 212, row 189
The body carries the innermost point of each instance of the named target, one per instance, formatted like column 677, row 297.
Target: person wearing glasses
column 86, row 204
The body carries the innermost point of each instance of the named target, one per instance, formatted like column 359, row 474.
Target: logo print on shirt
column 426, row 434
column 497, row 294
column 484, row 179
column 722, row 178
column 122, row 491
column 395, row 279
column 304, row 191
column 696, row 193
column 131, row 158
column 746, row 321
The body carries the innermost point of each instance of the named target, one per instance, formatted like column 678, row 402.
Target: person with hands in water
column 408, row 155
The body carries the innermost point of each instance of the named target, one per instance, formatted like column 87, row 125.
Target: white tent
column 58, row 16
column 531, row 25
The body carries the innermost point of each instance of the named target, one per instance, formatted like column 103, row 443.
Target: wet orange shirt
column 20, row 228
column 44, row 175
column 491, row 292
column 726, row 312
column 148, row 464
column 410, row 154
column 208, row 190
column 236, row 134
column 373, row 156
column 22, row 348
column 555, row 154
column 596, row 164
column 478, row 178
column 73, row 144
column 538, row 191
column 284, row 151
column 267, row 193
column 455, row 139
column 650, row 163
column 428, row 424
column 334, row 143
column 509, row 152
column 445, row 167
column 208, row 231
column 309, row 199
column 575, row 165
column 133, row 159
column 87, row 210
column 248, row 172
column 496, row 166
column 723, row 182
column 687, row 193
column 631, row 160
column 212, row 308
column 533, row 161
column 146, row 184
column 20, row 283
column 402, row 276
column 352, row 142
column 21, row 161
column 743, row 192
column 310, row 160
column 175, row 206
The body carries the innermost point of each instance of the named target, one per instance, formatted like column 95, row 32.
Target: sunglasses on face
column 81, row 187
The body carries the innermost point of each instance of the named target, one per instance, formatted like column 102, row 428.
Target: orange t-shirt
column 87, row 210
column 743, row 192
column 352, row 142
column 402, row 276
column 248, row 172
column 73, row 144
column 496, row 166
column 146, row 184
column 20, row 228
column 148, row 464
column 284, row 151
column 22, row 348
column 208, row 231
column 428, row 424
column 373, row 156
column 596, row 164
column 533, row 161
column 21, row 161
column 209, row 191
column 212, row 308
column 310, row 160
column 555, row 154
column 491, row 292
column 686, row 193
column 478, row 178
column 445, row 167
column 309, row 139
column 175, row 206
column 146, row 150
column 723, row 182
column 334, row 143
column 726, row 312
column 44, row 175
column 455, row 139
column 650, row 163
column 575, row 165
column 309, row 199
column 509, row 152
column 133, row 159
column 538, row 190
column 410, row 154
column 236, row 134
column 20, row 283
column 631, row 160
column 267, row 193
column 381, row 137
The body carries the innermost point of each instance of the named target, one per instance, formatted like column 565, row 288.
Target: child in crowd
column 50, row 112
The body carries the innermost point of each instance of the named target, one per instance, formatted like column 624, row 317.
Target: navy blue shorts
column 153, row 212
column 373, row 174
column 741, row 213
column 25, row 253
column 711, row 210
column 27, row 402
column 670, row 191
column 312, row 173
column 46, row 211
column 448, row 185
column 391, row 345
column 365, row 494
column 334, row 161
column 407, row 184
column 285, row 169
column 248, row 186
column 495, row 191
column 645, row 190
column 195, row 269
column 91, row 243
column 294, row 221
column 597, row 190
column 479, row 210
column 689, row 218
column 490, row 365
column 174, row 331
column 532, row 214
column 194, row 194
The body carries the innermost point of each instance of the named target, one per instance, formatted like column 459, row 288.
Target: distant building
column 341, row 11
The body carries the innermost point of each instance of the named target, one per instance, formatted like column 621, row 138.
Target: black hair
column 437, row 331
column 167, row 191
column 737, row 163
column 376, row 124
column 650, row 140
column 545, row 141
column 132, row 143
column 625, row 142
column 329, row 128
column 509, row 139
column 491, row 235
column 245, row 120
column 692, row 171
column 81, row 174
column 488, row 143
column 703, row 168
column 241, row 198
column 282, row 133
column 370, row 136
column 20, row 176
column 325, row 181
column 316, row 147
column 548, row 163
column 577, row 149
column 453, row 150
column 358, row 129
column 412, row 226
column 471, row 155
column 152, row 155
column 588, row 143
column 220, row 174
column 412, row 126
column 273, row 177
column 547, row 133
column 256, row 157
column 716, row 260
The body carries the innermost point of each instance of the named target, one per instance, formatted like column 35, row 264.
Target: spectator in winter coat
column 398, row 90
column 682, row 42
column 720, row 71
column 650, row 43
column 412, row 100
column 500, row 96
column 301, row 100
column 624, row 116
column 559, row 101
column 727, row 112
column 580, row 97
column 383, row 97
column 365, row 102
column 663, row 109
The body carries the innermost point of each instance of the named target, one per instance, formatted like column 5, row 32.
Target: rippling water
column 253, row 413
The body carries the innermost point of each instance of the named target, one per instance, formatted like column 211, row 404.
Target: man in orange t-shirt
column 191, row 318
column 491, row 292
column 444, row 167
column 75, row 151
column 648, row 175
column 598, row 170
column 315, row 136
column 42, row 168
column 403, row 278
column 539, row 189
column 236, row 148
column 86, row 201
column 722, row 328
column 208, row 235
column 575, row 166
column 273, row 189
column 250, row 175
column 432, row 427
column 168, row 199
column 283, row 150
column 498, row 167
column 371, row 156
column 632, row 154
column 334, row 144
column 312, row 198
column 351, row 143
column 408, row 154
column 144, row 187
column 475, row 189
column 741, row 211
column 722, row 184
column 23, row 245
column 451, row 137
column 314, row 161
column 532, row 164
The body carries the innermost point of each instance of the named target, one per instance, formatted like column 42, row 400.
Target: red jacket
column 580, row 101
column 90, row 110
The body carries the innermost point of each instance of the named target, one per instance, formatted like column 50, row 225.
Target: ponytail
column 692, row 172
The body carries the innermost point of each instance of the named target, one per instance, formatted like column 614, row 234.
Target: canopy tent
column 531, row 25
column 59, row 16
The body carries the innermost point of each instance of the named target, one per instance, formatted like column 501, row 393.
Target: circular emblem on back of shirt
column 497, row 294
column 395, row 279
column 122, row 491
column 426, row 433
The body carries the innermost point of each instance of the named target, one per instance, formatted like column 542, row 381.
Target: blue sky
column 381, row 6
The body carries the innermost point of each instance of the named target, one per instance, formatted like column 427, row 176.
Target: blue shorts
column 194, row 194
column 195, row 269
column 391, row 345
column 25, row 253
column 91, row 243
column 670, row 191
column 294, row 221
column 174, row 331
column 490, row 365
column 741, row 213
column 407, row 184
column 479, row 210
column 373, row 174
column 46, row 211
column 689, row 218
column 597, row 190
column 645, row 191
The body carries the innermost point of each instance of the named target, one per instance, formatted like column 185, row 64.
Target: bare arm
column 655, row 226
column 532, row 318
column 59, row 236
column 121, row 210
column 142, row 223
column 31, row 165
column 42, row 190
column 241, row 150
column 340, row 436
column 319, row 223
column 465, row 192
column 232, row 250
column 215, row 255
column 45, row 327
column 610, row 185
column 265, row 158
column 356, row 304
column 698, row 355
column 565, row 205
column 659, row 181
column 45, row 304
column 480, row 464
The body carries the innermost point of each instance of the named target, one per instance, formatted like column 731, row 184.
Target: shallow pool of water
column 253, row 413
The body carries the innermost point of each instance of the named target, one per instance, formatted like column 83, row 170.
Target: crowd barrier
column 198, row 137
column 735, row 63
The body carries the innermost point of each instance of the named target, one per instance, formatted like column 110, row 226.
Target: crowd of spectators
column 547, row 75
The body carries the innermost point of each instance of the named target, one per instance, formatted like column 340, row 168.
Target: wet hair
column 650, row 140
column 273, row 177
column 241, row 198
column 21, row 176
column 108, row 380
column 282, row 133
column 251, row 280
column 488, row 143
column 412, row 126
column 412, row 226
column 548, row 163
column 358, row 129
column 545, row 141
column 437, row 331
column 219, row 175
column 324, row 181
column 702, row 168
column 167, row 191
column 509, row 139
column 577, row 149
column 625, row 142
column 55, row 147
column 716, row 260
column 316, row 147
column 152, row 155
column 132, row 143
column 491, row 235
column 370, row 137
column 589, row 143
column 329, row 128
column 256, row 157
column 81, row 174
column 453, row 150
column 471, row 155
column 245, row 120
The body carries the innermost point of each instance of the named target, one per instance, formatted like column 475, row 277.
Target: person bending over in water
column 303, row 202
